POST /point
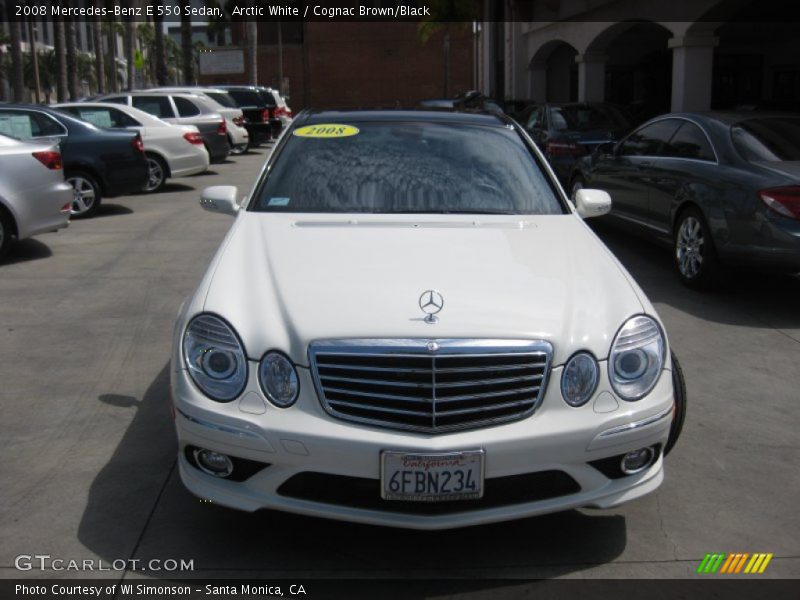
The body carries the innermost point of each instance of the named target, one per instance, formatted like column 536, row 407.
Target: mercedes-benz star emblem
column 431, row 302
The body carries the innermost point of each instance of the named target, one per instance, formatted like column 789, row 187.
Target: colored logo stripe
column 737, row 562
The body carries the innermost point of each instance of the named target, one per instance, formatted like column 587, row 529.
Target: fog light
column 637, row 461
column 213, row 463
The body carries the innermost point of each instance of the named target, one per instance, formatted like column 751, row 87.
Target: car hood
column 285, row 280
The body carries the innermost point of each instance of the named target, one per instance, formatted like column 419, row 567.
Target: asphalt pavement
column 88, row 447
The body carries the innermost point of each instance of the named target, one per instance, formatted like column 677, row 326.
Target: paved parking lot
column 88, row 448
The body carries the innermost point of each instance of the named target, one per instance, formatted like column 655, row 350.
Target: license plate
column 432, row 477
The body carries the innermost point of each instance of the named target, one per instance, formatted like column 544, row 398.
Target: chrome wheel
column 690, row 247
column 155, row 175
column 83, row 194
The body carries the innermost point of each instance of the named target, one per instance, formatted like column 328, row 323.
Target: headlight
column 278, row 379
column 637, row 357
column 214, row 357
column 579, row 379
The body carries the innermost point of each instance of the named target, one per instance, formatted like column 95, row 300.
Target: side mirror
column 606, row 148
column 220, row 199
column 592, row 203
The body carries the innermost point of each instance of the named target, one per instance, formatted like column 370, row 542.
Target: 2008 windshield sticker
column 326, row 130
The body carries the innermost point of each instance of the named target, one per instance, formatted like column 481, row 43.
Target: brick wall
column 366, row 65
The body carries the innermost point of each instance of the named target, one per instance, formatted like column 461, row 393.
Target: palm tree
column 99, row 62
column 113, row 31
column 72, row 59
column 217, row 26
column 160, row 58
column 130, row 38
column 61, row 60
column 44, row 68
column 145, row 34
column 174, row 57
column 252, row 51
column 17, row 78
column 444, row 16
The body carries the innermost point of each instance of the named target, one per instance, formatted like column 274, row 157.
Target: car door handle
column 643, row 165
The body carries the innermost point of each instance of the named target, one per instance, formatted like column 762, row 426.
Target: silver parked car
column 34, row 198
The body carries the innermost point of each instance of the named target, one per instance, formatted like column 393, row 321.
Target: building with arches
column 648, row 55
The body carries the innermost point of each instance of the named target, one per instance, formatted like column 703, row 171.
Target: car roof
column 430, row 116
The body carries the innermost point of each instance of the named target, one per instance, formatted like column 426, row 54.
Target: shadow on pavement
column 25, row 251
column 206, row 173
column 747, row 298
column 171, row 187
column 124, row 492
column 112, row 210
column 137, row 507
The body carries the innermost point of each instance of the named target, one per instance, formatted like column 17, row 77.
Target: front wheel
column 86, row 194
column 694, row 253
column 679, row 412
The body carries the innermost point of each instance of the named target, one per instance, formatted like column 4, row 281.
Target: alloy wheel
column 155, row 175
column 83, row 194
column 690, row 247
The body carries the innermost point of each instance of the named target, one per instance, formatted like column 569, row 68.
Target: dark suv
column 260, row 111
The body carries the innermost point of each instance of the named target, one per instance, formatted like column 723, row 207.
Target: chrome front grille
column 430, row 385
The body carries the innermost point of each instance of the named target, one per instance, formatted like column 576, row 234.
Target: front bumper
column 305, row 439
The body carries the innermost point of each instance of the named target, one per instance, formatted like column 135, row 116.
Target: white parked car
column 226, row 106
column 182, row 109
column 409, row 324
column 34, row 198
column 171, row 150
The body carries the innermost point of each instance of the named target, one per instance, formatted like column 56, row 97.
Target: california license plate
column 432, row 477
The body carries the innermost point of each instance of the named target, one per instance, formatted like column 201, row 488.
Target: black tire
column 81, row 182
column 679, row 387
column 693, row 251
column 157, row 173
column 6, row 232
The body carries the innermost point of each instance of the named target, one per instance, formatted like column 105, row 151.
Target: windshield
column 584, row 117
column 407, row 167
column 767, row 139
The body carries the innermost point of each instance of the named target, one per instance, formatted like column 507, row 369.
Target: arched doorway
column 554, row 73
column 638, row 66
column 756, row 56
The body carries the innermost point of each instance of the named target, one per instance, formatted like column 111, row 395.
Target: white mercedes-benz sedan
column 171, row 150
column 409, row 324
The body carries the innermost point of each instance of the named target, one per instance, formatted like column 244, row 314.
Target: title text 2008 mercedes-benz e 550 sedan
column 409, row 324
